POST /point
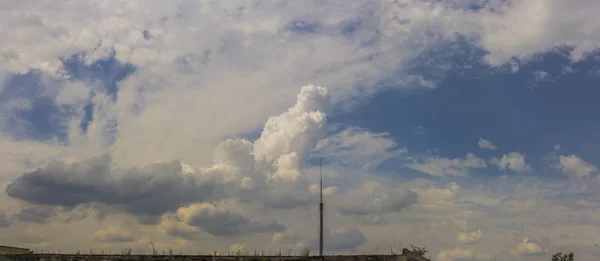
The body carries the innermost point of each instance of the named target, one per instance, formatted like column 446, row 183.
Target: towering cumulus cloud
column 288, row 138
column 241, row 169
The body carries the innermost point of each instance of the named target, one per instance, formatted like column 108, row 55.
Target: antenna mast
column 321, row 179
column 321, row 210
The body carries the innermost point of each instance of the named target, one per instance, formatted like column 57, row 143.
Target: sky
column 464, row 126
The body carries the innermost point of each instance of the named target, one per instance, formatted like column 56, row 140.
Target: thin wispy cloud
column 486, row 144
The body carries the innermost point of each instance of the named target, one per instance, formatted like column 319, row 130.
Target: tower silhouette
column 321, row 210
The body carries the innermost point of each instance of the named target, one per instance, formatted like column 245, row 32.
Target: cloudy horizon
column 464, row 126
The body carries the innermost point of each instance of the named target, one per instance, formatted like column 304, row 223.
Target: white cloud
column 73, row 93
column 486, row 144
column 287, row 139
column 574, row 166
column 438, row 166
column 462, row 224
column 469, row 238
column 327, row 190
column 541, row 75
column 512, row 161
column 290, row 239
column 527, row 247
column 217, row 57
column 175, row 228
column 237, row 248
column 432, row 194
column 224, row 26
column 114, row 234
column 544, row 31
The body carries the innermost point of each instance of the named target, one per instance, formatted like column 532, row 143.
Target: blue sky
column 465, row 126
column 514, row 110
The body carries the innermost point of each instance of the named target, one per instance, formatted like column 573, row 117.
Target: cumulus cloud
column 174, row 227
column 158, row 188
column 35, row 214
column 327, row 190
column 433, row 194
column 514, row 161
column 574, row 166
column 224, row 222
column 528, row 247
column 461, row 255
column 287, row 139
column 152, row 190
column 469, row 238
column 113, row 234
column 439, row 166
column 486, row 144
column 289, row 239
column 234, row 152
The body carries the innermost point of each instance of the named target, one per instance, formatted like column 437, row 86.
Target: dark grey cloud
column 118, row 238
column 35, row 214
column 149, row 191
column 223, row 222
column 4, row 221
column 45, row 214
column 115, row 238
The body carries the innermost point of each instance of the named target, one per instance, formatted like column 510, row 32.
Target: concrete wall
column 59, row 257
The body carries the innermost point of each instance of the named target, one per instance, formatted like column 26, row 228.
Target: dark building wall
column 57, row 257
column 4, row 250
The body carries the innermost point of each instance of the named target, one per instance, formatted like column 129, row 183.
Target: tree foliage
column 420, row 251
column 563, row 257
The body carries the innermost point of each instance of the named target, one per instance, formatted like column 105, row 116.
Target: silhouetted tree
column 419, row 251
column 563, row 257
